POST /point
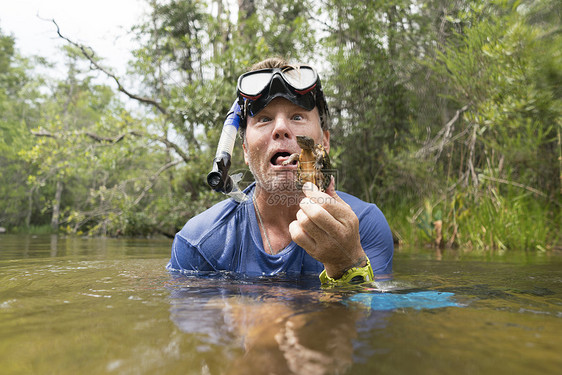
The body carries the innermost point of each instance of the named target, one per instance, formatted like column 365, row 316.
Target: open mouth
column 280, row 157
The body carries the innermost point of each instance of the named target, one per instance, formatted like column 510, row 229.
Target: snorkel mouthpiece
column 218, row 179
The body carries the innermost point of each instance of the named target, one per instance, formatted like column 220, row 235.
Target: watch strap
column 355, row 275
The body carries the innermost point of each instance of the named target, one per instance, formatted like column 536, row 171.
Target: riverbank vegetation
column 447, row 114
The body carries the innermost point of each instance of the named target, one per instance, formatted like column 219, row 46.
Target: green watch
column 355, row 275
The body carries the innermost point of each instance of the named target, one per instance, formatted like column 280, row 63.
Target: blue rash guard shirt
column 226, row 237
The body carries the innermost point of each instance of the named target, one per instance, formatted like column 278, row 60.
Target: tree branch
column 96, row 137
column 153, row 179
column 176, row 148
column 90, row 56
column 113, row 140
column 513, row 183
column 108, row 139
column 43, row 133
column 438, row 142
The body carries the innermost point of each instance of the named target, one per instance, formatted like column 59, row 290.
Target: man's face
column 271, row 138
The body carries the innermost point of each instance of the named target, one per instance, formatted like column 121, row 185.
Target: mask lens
column 253, row 84
column 300, row 78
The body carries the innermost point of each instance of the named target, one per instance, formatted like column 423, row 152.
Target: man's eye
column 297, row 117
column 264, row 119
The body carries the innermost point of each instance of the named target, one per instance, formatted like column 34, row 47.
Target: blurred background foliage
column 447, row 114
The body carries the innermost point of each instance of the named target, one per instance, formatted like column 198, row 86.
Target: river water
column 107, row 306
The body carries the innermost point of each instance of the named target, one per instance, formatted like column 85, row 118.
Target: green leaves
column 451, row 108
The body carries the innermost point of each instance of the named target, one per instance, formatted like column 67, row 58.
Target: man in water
column 284, row 227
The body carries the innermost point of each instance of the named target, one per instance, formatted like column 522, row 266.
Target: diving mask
column 298, row 84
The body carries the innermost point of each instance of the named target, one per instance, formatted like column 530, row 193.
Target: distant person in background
column 284, row 227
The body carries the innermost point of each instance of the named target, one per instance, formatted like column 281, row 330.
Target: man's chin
column 278, row 182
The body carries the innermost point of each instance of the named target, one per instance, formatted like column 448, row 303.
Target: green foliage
column 33, row 229
column 19, row 95
column 502, row 223
column 510, row 126
column 490, row 222
column 367, row 101
column 446, row 114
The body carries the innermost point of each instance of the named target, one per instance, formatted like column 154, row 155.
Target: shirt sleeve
column 186, row 257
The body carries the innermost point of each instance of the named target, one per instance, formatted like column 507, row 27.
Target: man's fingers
column 315, row 225
column 316, row 214
column 300, row 237
column 332, row 203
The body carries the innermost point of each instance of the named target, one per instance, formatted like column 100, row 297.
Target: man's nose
column 282, row 129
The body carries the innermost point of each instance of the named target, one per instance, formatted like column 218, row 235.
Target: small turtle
column 313, row 163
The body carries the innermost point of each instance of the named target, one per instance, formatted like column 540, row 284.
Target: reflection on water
column 282, row 329
column 291, row 330
column 44, row 246
column 97, row 306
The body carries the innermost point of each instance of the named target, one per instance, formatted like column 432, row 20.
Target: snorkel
column 219, row 179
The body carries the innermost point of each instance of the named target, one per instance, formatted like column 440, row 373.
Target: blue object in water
column 414, row 300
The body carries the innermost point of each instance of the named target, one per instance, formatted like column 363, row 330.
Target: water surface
column 107, row 306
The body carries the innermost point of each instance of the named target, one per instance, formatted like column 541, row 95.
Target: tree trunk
column 56, row 207
column 248, row 7
column 560, row 151
column 29, row 208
